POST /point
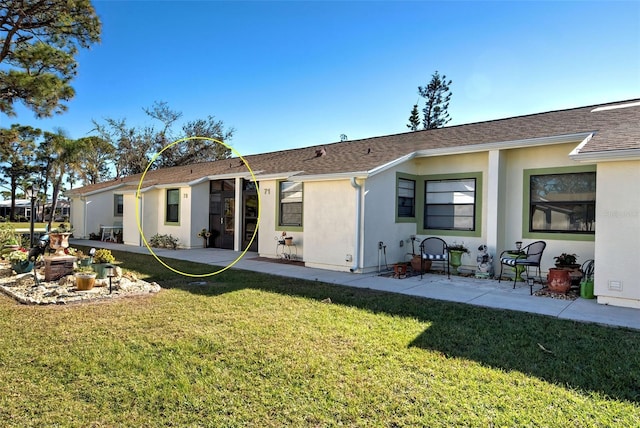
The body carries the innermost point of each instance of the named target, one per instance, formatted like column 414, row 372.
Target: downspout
column 356, row 256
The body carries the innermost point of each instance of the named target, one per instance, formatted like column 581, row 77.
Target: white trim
column 607, row 156
column 393, row 163
column 579, row 147
column 616, row 107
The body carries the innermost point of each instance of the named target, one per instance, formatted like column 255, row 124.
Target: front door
column 222, row 205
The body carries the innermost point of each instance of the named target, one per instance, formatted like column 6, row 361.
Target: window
column 290, row 204
column 563, row 202
column 406, row 198
column 118, row 206
column 173, row 206
column 450, row 204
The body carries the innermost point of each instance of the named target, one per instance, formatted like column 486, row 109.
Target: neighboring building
column 545, row 176
column 23, row 210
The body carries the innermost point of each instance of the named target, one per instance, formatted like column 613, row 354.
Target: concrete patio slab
column 479, row 292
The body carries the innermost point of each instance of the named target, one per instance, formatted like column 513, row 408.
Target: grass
column 250, row 349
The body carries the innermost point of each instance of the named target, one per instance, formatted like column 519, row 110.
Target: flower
column 103, row 256
column 457, row 247
column 204, row 233
column 20, row 255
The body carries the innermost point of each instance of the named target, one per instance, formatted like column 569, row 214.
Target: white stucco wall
column 130, row 231
column 328, row 240
column 182, row 229
column 149, row 208
column 267, row 228
column 199, row 214
column 380, row 224
column 87, row 215
column 617, row 257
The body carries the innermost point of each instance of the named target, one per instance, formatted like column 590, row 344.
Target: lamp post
column 32, row 193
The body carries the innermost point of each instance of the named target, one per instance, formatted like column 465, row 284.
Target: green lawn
column 249, row 349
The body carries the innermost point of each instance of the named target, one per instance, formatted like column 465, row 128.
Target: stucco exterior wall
column 267, row 228
column 459, row 164
column 130, row 231
column 380, row 225
column 95, row 210
column 149, row 209
column 517, row 161
column 182, row 229
column 329, row 221
column 199, row 214
column 617, row 259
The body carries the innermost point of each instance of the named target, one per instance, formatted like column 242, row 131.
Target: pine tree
column 414, row 118
column 39, row 40
column 437, row 96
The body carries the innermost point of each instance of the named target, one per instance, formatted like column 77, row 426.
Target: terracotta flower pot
column 559, row 280
column 415, row 264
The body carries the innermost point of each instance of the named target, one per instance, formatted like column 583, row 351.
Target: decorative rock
column 25, row 290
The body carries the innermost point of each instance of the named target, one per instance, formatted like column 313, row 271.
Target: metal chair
column 529, row 256
column 434, row 249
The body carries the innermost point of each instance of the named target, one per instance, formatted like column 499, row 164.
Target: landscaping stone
column 24, row 288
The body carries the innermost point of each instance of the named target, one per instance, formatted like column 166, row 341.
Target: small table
column 518, row 268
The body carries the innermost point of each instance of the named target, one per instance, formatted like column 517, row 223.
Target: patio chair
column 529, row 256
column 435, row 250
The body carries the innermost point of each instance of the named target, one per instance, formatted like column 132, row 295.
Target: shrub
column 103, row 256
column 164, row 241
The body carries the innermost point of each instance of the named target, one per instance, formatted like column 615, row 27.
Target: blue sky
column 293, row 74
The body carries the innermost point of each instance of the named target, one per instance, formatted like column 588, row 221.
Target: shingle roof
column 614, row 129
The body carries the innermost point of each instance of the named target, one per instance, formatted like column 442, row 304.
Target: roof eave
column 330, row 177
column 607, row 156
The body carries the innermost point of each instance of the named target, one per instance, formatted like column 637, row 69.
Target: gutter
column 356, row 256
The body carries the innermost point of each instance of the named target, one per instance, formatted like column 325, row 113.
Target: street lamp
column 32, row 193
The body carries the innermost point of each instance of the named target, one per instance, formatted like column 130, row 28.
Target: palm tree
column 64, row 154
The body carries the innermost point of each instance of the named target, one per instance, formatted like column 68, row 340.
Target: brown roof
column 614, row 129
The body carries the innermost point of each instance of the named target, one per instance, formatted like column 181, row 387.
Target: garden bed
column 24, row 289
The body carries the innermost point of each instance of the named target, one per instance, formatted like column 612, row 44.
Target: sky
column 301, row 73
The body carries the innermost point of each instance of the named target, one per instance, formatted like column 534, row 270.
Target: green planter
column 100, row 269
column 22, row 267
column 455, row 259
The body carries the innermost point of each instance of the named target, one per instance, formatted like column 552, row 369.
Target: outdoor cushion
column 435, row 256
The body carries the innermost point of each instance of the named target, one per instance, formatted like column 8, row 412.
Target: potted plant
column 59, row 239
column 455, row 255
column 400, row 270
column 566, row 260
column 20, row 262
column 85, row 278
column 83, row 259
column 101, row 259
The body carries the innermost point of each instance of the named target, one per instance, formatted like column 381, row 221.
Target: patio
column 478, row 292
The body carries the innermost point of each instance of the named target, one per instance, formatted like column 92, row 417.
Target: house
column 353, row 205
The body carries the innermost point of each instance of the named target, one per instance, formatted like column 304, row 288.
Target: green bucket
column 586, row 289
